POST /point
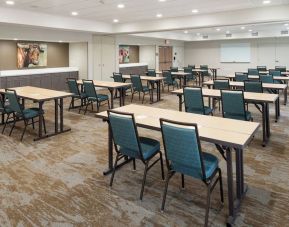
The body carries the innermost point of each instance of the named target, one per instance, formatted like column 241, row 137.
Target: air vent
column 285, row 32
column 228, row 35
column 255, row 34
column 205, row 36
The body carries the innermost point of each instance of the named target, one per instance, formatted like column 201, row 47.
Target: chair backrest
column 274, row 72
column 262, row 68
column 267, row 78
column 221, row 84
column 192, row 66
column 136, row 82
column 253, row 86
column 240, row 77
column 182, row 148
column 124, row 133
column 280, row 68
column 152, row 72
column 188, row 70
column 168, row 77
column 253, row 72
column 174, row 69
column 73, row 86
column 117, row 77
column 233, row 105
column 204, row 67
column 193, row 98
column 89, row 88
column 14, row 104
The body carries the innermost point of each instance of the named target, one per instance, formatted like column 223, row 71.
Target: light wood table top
column 285, row 78
column 241, row 84
column 148, row 78
column 267, row 72
column 233, row 133
column 107, row 84
column 38, row 94
column 249, row 96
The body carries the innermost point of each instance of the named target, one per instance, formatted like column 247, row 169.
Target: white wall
column 78, row 57
column 266, row 51
column 147, row 54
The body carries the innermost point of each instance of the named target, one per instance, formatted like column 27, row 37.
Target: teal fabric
column 182, row 151
column 14, row 105
column 89, row 89
column 194, row 101
column 136, row 83
column 149, row 148
column 205, row 67
column 30, row 113
column 152, row 72
column 99, row 98
column 275, row 72
column 192, row 66
column 253, row 72
column 174, row 69
column 241, row 77
column 117, row 77
column 189, row 70
column 266, row 78
column 73, row 87
column 262, row 68
column 280, row 68
column 169, row 80
column 253, row 86
column 221, row 84
column 233, row 105
column 247, row 116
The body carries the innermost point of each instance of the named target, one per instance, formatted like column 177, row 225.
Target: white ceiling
column 135, row 10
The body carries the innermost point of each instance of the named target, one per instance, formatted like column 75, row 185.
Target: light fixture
column 266, row 2
column 198, row 34
column 227, row 32
column 242, row 27
column 60, row 41
column 159, row 15
column 186, row 32
column 195, row 11
column 115, row 20
column 15, row 39
column 120, row 6
column 250, row 30
column 218, row 29
column 286, row 24
column 74, row 13
column 10, row 3
column 162, row 0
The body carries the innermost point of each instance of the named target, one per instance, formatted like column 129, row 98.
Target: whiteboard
column 235, row 52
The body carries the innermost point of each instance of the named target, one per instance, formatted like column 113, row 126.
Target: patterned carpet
column 58, row 181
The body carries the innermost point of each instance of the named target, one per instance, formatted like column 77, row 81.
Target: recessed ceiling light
column 250, row 30
column 60, row 41
column 120, row 6
column 159, row 15
column 227, row 32
column 242, row 27
column 218, row 29
column 74, row 13
column 162, row 0
column 286, row 24
column 15, row 39
column 10, row 3
column 195, row 11
column 115, row 20
column 186, row 32
column 198, row 34
column 266, row 2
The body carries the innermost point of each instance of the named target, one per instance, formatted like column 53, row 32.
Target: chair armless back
column 221, row 84
column 136, row 82
column 152, row 72
column 117, row 77
column 241, row 77
column 193, row 98
column 266, row 78
column 253, row 72
column 14, row 104
column 280, row 68
column 89, row 88
column 72, row 86
column 275, row 72
column 262, row 68
column 253, row 86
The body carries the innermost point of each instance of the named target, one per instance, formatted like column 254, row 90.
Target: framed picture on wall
column 123, row 54
column 31, row 55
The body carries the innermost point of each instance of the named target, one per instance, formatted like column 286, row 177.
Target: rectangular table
column 111, row 86
column 226, row 134
column 278, row 87
column 255, row 77
column 263, row 99
column 41, row 95
column 152, row 80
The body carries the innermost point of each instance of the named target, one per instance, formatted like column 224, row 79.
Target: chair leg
column 162, row 165
column 168, row 177
column 139, row 96
column 208, row 204
column 114, row 168
column 134, row 165
column 6, row 122
column 87, row 104
column 183, row 181
column 144, row 180
column 143, row 98
column 44, row 124
column 24, row 130
column 221, row 186
column 132, row 96
column 33, row 126
column 97, row 106
column 12, row 126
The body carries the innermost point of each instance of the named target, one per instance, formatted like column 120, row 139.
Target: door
column 108, row 59
column 282, row 50
column 165, row 57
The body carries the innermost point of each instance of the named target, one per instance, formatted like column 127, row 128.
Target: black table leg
column 180, row 102
column 56, row 116
column 230, row 186
column 111, row 97
column 285, row 96
column 61, row 114
column 268, row 132
column 40, row 121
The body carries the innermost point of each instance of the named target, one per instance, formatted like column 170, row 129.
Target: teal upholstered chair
column 276, row 73
column 241, row 77
column 174, row 69
column 254, row 72
column 192, row 66
column 233, row 105
column 268, row 79
column 117, row 77
column 77, row 95
column 169, row 80
column 93, row 96
column 128, row 144
column 151, row 72
column 253, row 86
column 190, row 77
column 206, row 72
column 19, row 113
column 280, row 68
column 221, row 84
column 184, row 155
column 6, row 111
column 194, row 102
column 261, row 68
column 139, row 88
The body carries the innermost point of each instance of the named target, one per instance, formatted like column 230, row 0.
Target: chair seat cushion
column 99, row 98
column 210, row 163
column 207, row 110
column 31, row 113
column 145, row 88
column 239, row 117
column 6, row 110
column 149, row 148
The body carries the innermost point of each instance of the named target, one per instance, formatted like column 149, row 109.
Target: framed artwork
column 123, row 54
column 31, row 55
